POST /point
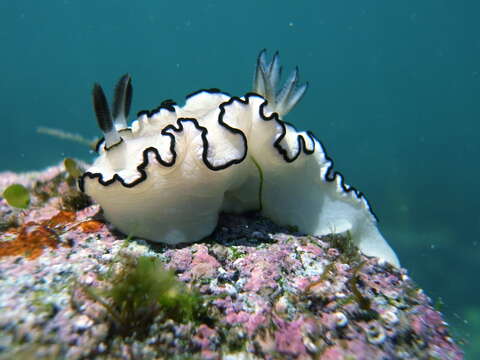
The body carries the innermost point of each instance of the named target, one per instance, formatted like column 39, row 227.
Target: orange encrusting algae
column 90, row 226
column 61, row 218
column 33, row 237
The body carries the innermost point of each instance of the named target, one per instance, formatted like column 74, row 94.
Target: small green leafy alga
column 17, row 196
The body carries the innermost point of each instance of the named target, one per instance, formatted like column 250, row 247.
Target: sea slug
column 168, row 175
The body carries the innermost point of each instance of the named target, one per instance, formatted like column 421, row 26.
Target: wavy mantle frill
column 176, row 168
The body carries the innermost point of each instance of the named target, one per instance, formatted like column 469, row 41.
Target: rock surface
column 265, row 291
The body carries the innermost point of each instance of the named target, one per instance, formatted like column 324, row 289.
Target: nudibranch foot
column 167, row 177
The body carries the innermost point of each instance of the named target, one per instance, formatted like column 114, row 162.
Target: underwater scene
column 301, row 180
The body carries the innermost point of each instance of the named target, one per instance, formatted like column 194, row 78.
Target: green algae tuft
column 143, row 291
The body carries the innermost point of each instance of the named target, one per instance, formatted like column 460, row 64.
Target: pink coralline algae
column 265, row 291
column 262, row 268
column 289, row 337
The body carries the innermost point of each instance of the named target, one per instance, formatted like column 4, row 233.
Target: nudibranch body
column 167, row 177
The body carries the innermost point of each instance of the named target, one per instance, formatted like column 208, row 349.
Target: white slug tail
column 265, row 83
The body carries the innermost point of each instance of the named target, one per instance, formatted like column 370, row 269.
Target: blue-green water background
column 394, row 96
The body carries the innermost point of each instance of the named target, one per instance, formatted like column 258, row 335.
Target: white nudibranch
column 167, row 177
